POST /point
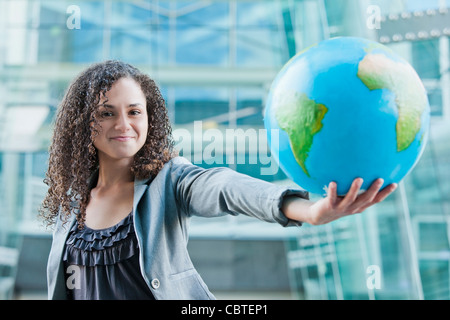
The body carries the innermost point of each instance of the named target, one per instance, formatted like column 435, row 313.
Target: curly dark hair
column 72, row 156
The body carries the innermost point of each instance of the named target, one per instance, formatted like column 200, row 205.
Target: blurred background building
column 214, row 61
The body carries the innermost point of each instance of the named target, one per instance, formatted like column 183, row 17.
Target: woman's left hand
column 333, row 207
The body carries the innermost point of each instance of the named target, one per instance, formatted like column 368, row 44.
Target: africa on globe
column 346, row 108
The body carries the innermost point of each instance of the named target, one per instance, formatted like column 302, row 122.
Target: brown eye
column 106, row 114
column 135, row 112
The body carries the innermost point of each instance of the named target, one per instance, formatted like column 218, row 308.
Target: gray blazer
column 162, row 208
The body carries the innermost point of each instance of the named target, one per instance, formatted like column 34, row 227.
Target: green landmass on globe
column 377, row 71
column 302, row 118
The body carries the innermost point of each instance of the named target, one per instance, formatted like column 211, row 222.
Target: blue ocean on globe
column 346, row 108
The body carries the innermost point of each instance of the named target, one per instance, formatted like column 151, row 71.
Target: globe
column 345, row 108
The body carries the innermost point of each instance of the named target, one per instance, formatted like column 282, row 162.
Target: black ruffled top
column 103, row 264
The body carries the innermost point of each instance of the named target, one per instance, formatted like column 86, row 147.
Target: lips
column 122, row 138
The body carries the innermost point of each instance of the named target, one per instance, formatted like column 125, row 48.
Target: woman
column 120, row 198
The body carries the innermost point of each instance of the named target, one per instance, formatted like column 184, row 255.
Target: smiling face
column 123, row 123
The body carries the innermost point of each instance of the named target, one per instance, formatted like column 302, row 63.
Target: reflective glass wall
column 214, row 62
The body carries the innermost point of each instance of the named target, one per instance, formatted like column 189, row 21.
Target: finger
column 369, row 196
column 352, row 194
column 332, row 192
column 380, row 196
column 385, row 192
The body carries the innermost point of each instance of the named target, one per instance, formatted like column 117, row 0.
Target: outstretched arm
column 333, row 207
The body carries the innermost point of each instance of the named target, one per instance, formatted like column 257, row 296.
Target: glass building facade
column 214, row 62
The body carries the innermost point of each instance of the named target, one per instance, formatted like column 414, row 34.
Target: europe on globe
column 345, row 108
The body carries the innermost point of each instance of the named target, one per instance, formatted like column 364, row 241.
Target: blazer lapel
column 55, row 269
column 139, row 188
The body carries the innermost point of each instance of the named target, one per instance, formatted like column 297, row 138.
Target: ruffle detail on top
column 90, row 247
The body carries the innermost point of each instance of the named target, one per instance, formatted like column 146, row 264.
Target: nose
column 122, row 123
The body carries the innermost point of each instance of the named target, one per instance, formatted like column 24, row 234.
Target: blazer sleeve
column 218, row 191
